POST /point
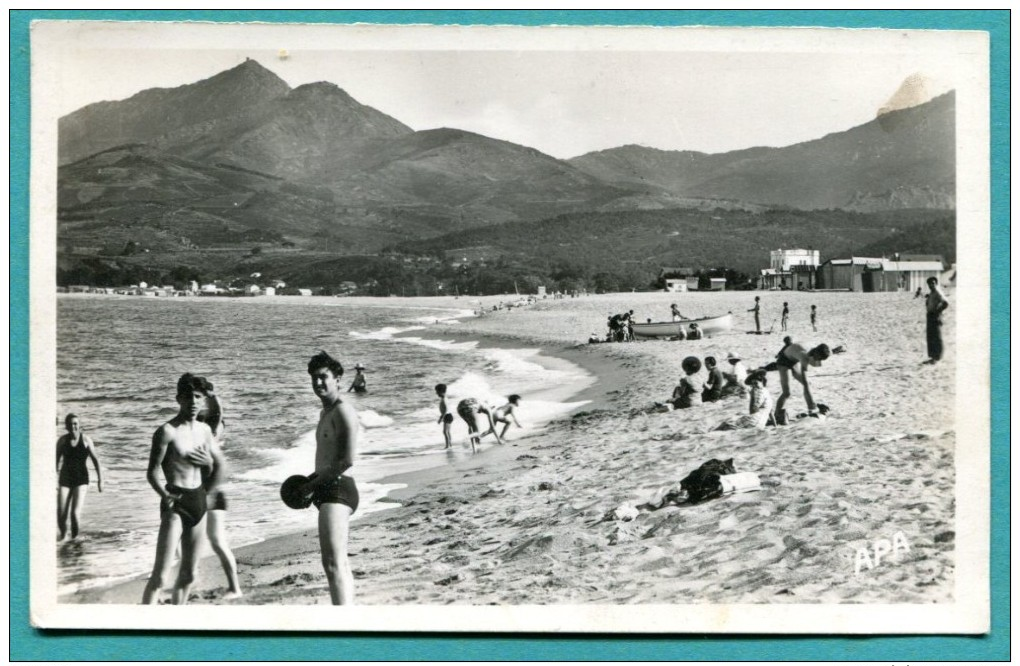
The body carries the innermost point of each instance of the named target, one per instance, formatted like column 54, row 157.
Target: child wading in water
column 445, row 416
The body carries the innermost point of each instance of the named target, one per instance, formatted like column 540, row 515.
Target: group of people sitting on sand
column 793, row 360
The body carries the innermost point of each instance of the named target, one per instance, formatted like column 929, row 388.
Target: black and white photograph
column 515, row 329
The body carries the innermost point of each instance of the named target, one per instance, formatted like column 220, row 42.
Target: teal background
column 30, row 644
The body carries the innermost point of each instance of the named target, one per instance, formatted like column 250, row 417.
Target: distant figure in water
column 786, row 314
column 212, row 477
column 794, row 360
column 73, row 450
column 918, row 294
column 359, row 385
column 504, row 415
column 934, row 304
column 757, row 314
column 469, row 409
column 814, row 319
column 445, row 416
column 759, row 408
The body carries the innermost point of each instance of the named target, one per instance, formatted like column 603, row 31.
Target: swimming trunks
column 217, row 501
column 73, row 471
column 448, row 418
column 784, row 361
column 467, row 407
column 190, row 506
column 341, row 490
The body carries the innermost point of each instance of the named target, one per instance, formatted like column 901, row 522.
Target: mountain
column 306, row 134
column 239, row 170
column 903, row 159
column 152, row 113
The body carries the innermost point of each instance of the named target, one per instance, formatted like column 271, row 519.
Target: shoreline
column 527, row 523
column 595, row 396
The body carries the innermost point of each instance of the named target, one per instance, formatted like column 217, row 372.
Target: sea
column 119, row 358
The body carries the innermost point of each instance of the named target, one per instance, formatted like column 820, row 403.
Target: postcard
column 509, row 329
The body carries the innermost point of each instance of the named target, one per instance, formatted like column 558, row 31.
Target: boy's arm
column 160, row 442
column 219, row 466
column 95, row 463
column 60, row 453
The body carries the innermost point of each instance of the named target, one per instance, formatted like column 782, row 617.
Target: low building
column 675, row 278
column 270, row 291
column 871, row 274
column 717, row 284
column 844, row 274
column 891, row 275
column 676, row 284
column 304, row 292
column 790, row 269
column 692, row 283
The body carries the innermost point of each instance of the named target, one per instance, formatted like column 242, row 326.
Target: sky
column 564, row 96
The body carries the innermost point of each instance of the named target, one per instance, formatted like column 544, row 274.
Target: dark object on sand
column 290, row 492
column 703, row 483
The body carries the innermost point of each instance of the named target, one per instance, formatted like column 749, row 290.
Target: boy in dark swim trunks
column 182, row 500
column 794, row 360
column 445, row 417
column 334, row 495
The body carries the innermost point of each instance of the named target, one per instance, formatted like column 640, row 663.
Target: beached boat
column 671, row 329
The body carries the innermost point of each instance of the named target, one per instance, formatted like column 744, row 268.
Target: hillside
column 146, row 116
column 902, row 159
column 648, row 240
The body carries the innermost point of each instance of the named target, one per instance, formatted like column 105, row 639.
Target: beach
column 530, row 522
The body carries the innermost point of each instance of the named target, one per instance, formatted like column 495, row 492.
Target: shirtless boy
column 469, row 409
column 334, row 495
column 178, row 448
column 794, row 359
column 445, row 416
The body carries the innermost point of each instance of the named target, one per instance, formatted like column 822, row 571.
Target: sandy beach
column 525, row 523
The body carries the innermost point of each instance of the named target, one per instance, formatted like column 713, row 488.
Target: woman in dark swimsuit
column 73, row 450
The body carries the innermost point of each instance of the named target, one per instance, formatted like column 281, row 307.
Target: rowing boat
column 671, row 329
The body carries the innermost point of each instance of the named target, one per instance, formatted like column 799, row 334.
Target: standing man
column 334, row 495
column 757, row 314
column 786, row 314
column 934, row 304
column 182, row 506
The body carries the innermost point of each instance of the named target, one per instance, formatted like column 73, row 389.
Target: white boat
column 671, row 329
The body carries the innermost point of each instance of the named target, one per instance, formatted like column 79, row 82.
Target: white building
column 782, row 260
column 676, row 284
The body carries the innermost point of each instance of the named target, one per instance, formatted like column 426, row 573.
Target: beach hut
column 717, row 284
column 844, row 273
